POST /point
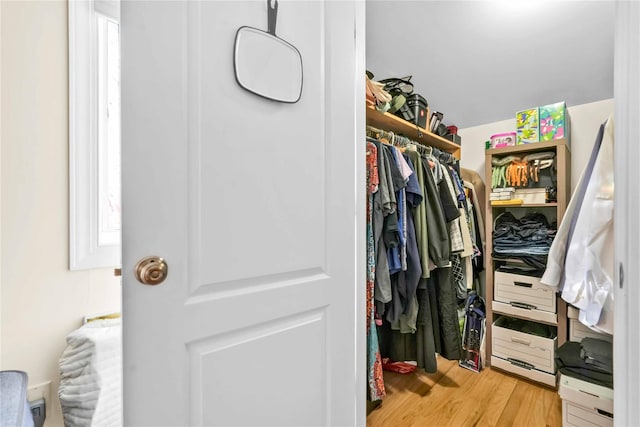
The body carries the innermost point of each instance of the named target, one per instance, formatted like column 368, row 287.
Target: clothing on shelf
column 421, row 225
column 528, row 238
column 590, row 360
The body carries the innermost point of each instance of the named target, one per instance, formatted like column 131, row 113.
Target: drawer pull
column 523, row 284
column 520, row 341
column 604, row 413
column 590, row 394
column 520, row 363
column 523, row 305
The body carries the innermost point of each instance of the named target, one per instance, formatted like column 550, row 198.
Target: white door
column 257, row 208
column 627, row 204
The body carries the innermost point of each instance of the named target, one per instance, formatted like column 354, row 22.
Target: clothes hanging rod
column 392, row 137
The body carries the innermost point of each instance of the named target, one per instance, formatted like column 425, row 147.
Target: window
column 94, row 134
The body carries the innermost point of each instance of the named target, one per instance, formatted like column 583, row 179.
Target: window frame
column 85, row 162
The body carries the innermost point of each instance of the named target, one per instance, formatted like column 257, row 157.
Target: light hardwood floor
column 458, row 397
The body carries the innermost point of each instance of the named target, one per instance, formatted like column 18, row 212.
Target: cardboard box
column 528, row 126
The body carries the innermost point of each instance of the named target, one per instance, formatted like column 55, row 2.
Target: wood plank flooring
column 458, row 397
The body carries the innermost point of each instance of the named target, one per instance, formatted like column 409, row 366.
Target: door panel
column 298, row 371
column 265, row 160
column 255, row 205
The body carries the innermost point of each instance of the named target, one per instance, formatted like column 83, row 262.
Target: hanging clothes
column 420, row 203
column 384, row 205
column 449, row 326
column 393, row 231
column 439, row 244
column 475, row 181
column 420, row 216
column 588, row 266
column 374, row 362
column 554, row 272
column 404, row 309
column 476, row 212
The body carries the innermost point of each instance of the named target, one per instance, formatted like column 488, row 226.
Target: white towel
column 91, row 375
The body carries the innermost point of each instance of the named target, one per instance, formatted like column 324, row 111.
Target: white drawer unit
column 524, row 296
column 578, row 416
column 578, row 331
column 524, row 350
column 584, row 403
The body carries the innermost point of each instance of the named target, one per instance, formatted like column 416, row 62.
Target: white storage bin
column 578, row 331
column 521, row 295
column 585, row 403
column 577, row 416
column 524, row 350
column 531, row 196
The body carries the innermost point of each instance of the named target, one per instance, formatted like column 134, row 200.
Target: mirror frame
column 284, row 42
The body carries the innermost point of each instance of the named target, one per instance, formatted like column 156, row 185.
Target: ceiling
column 481, row 61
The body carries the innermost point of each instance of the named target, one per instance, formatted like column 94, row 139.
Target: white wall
column 42, row 301
column 585, row 122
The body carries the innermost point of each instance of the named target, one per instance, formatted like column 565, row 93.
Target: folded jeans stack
column 528, row 238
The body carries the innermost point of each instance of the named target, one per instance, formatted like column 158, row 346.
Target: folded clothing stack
column 528, row 238
column 590, row 360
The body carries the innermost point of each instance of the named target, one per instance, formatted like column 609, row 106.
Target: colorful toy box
column 554, row 123
column 527, row 126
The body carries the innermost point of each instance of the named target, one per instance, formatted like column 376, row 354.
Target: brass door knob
column 151, row 270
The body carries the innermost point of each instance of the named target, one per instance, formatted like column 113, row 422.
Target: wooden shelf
column 527, row 205
column 389, row 122
column 529, row 148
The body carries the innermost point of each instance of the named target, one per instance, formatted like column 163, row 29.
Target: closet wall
column 585, row 121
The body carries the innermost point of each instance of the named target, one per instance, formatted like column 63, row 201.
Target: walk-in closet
column 489, row 232
column 321, row 212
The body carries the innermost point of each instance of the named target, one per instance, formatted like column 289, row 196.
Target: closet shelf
column 527, row 205
column 529, row 148
column 389, row 122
